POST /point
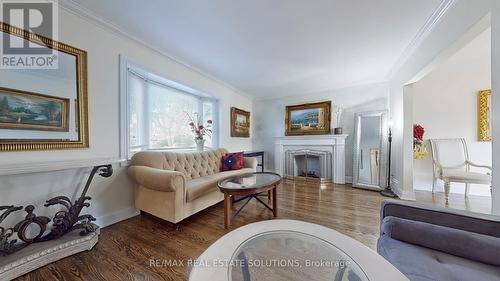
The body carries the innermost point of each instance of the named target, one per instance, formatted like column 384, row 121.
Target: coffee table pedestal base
column 229, row 205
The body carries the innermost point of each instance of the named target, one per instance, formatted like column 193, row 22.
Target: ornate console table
column 36, row 245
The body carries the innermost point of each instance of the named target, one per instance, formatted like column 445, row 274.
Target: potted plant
column 200, row 131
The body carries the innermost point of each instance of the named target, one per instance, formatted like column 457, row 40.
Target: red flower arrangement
column 418, row 132
column 419, row 149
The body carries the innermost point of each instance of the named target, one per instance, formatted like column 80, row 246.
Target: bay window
column 158, row 114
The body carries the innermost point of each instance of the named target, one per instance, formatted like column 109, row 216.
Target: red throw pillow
column 232, row 161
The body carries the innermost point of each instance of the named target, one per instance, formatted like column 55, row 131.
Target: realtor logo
column 37, row 17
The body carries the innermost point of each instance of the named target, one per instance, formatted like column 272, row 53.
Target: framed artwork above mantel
column 308, row 119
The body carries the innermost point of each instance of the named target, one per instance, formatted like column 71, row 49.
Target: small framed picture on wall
column 240, row 123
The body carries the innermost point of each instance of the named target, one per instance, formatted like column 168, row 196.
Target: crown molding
column 422, row 34
column 86, row 14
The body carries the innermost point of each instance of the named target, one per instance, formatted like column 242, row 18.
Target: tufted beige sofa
column 174, row 185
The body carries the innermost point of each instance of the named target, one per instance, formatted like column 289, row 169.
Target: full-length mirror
column 43, row 100
column 369, row 163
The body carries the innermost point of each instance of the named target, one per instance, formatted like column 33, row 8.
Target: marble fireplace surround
column 335, row 144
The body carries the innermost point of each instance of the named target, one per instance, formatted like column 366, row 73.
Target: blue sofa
column 433, row 243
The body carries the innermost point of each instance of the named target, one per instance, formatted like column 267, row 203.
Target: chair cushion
column 198, row 187
column 232, row 161
column 423, row 264
column 469, row 245
column 463, row 176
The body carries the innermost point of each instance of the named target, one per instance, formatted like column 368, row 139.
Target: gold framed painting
column 33, row 111
column 240, row 123
column 308, row 119
column 484, row 115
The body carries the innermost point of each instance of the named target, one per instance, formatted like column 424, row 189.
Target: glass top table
column 247, row 187
column 249, row 181
column 284, row 249
column 291, row 255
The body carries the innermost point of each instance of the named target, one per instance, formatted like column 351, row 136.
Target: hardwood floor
column 128, row 249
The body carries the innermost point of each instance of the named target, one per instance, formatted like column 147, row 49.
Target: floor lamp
column 388, row 191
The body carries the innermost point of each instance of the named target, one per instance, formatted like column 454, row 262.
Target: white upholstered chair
column 450, row 158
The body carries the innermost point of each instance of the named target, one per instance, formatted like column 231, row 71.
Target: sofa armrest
column 465, row 244
column 250, row 162
column 156, row 179
column 458, row 219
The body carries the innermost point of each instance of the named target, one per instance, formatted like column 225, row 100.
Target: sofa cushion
column 196, row 188
column 232, row 161
column 469, row 245
column 192, row 164
column 424, row 264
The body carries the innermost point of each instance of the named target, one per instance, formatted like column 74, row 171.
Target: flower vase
column 200, row 144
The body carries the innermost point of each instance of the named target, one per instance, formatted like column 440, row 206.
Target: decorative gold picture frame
column 240, row 123
column 308, row 119
column 484, row 115
column 81, row 87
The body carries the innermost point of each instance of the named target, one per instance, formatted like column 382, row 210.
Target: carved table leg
column 233, row 198
column 227, row 210
column 275, row 202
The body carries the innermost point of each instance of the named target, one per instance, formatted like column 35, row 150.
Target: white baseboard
column 398, row 189
column 117, row 216
column 348, row 179
column 408, row 195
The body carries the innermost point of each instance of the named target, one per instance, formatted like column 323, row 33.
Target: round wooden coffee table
column 248, row 186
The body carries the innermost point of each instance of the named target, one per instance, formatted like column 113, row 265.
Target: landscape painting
column 32, row 111
column 308, row 119
column 240, row 123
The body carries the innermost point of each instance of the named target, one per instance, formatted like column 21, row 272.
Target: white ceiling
column 276, row 47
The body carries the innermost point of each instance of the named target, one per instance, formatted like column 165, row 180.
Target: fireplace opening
column 308, row 164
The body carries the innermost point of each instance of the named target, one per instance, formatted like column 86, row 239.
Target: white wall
column 451, row 31
column 270, row 115
column 113, row 197
column 495, row 79
column 445, row 104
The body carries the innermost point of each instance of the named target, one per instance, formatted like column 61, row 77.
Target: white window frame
column 125, row 65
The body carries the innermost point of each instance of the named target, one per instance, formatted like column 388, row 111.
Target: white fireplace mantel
column 332, row 143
